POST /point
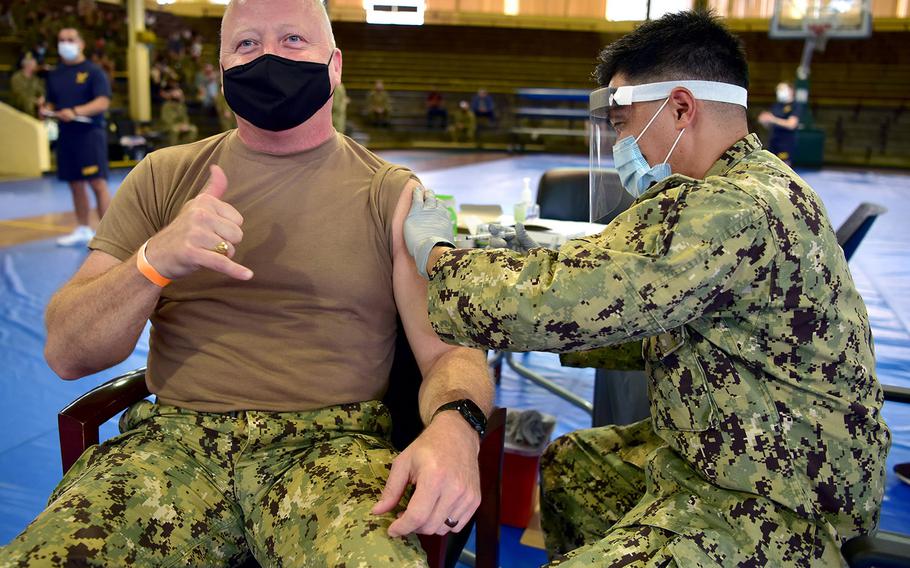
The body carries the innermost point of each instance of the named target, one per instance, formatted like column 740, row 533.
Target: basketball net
column 819, row 31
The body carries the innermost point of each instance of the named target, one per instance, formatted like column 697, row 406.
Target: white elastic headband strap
column 704, row 90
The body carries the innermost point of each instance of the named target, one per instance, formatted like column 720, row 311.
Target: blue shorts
column 81, row 153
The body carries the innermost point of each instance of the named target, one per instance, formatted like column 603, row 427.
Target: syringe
column 505, row 233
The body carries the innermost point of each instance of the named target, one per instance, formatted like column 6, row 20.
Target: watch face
column 469, row 411
column 473, row 415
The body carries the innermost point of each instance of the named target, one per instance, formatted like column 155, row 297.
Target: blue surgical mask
column 68, row 50
column 636, row 174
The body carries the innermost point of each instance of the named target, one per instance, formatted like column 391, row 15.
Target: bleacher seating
column 859, row 88
column 559, row 113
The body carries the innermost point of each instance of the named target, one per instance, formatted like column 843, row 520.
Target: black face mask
column 274, row 93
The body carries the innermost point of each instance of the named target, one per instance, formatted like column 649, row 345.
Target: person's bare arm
column 94, row 321
column 95, row 106
column 442, row 461
column 790, row 123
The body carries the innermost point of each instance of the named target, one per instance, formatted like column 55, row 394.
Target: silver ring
column 451, row 523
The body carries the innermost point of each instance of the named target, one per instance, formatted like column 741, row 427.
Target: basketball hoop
column 819, row 31
column 817, row 21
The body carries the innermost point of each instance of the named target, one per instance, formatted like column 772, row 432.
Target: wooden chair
column 78, row 425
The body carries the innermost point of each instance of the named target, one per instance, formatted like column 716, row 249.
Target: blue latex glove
column 428, row 224
column 520, row 241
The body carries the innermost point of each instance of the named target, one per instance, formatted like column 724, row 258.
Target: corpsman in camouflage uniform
column 271, row 345
column 765, row 445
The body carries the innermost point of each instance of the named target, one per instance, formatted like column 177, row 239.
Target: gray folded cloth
column 528, row 428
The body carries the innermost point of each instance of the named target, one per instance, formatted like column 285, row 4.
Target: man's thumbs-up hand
column 192, row 240
column 217, row 184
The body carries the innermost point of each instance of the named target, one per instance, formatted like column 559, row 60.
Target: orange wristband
column 147, row 270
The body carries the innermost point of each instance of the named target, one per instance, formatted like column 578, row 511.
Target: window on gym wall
column 402, row 12
column 618, row 10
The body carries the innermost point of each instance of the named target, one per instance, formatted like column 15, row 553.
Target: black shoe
column 902, row 470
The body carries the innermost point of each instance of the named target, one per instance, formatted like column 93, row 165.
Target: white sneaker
column 82, row 235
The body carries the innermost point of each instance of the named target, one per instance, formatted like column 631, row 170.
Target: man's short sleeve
column 101, row 87
column 388, row 184
column 51, row 91
column 133, row 217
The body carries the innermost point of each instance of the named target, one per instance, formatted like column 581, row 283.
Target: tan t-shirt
column 316, row 324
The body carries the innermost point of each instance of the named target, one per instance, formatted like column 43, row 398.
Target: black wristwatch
column 469, row 411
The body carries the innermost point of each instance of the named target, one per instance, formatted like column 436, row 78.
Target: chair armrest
column 884, row 550
column 896, row 394
column 78, row 423
column 490, row 459
column 445, row 550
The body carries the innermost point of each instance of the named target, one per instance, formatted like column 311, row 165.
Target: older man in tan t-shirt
column 272, row 338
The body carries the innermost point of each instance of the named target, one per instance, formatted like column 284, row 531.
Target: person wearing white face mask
column 78, row 95
column 782, row 120
column 765, row 445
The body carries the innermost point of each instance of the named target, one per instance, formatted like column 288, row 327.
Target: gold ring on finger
column 221, row 248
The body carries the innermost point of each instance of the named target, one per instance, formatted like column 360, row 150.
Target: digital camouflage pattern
column 758, row 348
column 186, row 488
column 595, row 510
column 621, row 357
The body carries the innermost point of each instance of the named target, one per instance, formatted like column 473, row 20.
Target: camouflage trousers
column 618, row 496
column 185, row 488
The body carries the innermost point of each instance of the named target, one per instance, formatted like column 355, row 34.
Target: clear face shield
column 607, row 194
column 606, row 191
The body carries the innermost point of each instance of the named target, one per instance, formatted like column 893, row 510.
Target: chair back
column 851, row 233
column 401, row 399
column 564, row 194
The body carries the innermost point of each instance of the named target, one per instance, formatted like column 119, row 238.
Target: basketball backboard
column 831, row 18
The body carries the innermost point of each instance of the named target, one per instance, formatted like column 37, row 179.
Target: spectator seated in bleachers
column 196, row 46
column 226, row 118
column 38, row 51
column 464, row 124
column 207, row 86
column 7, row 19
column 379, row 105
column 102, row 55
column 27, row 89
column 436, row 110
column 484, row 108
column 340, row 102
column 175, row 121
column 161, row 74
column 175, row 44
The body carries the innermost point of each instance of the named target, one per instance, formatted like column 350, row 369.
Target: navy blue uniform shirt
column 72, row 85
column 783, row 141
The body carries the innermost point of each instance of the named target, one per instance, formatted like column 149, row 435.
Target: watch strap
column 472, row 413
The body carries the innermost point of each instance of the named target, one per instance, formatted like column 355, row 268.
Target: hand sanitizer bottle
column 532, row 209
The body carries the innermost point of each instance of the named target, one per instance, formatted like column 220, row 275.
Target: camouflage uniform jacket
column 25, row 91
column 174, row 113
column 758, row 351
